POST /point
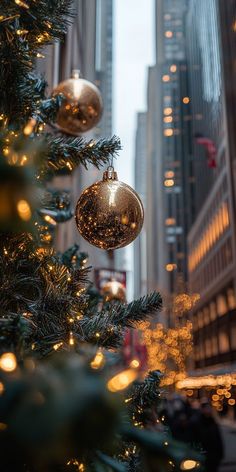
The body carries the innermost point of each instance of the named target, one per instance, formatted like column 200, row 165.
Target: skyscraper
column 140, row 248
column 211, row 239
column 167, row 144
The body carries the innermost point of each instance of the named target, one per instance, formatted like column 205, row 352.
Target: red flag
column 210, row 148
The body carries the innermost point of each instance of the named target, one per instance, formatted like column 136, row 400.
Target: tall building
column 211, row 239
column 140, row 245
column 168, row 145
column 88, row 46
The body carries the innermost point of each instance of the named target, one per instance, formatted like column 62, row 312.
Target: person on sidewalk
column 207, row 433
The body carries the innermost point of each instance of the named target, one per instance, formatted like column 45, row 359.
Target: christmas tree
column 60, row 376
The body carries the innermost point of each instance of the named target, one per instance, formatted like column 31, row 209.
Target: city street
column 229, row 435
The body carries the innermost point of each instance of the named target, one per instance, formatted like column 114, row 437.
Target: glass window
column 221, row 305
column 223, row 340
column 208, row 348
column 231, row 298
column 214, row 344
column 233, row 335
column 206, row 315
column 213, row 313
column 200, row 319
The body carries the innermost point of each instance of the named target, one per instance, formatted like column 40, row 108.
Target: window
column 233, row 335
column 223, row 341
column 213, row 313
column 221, row 305
column 231, row 298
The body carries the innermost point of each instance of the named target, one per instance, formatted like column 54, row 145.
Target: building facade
column 88, row 46
column 140, row 245
column 211, row 239
column 168, row 144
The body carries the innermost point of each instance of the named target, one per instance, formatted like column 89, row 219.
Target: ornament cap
column 75, row 74
column 110, row 174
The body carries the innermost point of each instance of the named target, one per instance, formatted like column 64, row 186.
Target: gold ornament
column 82, row 108
column 109, row 214
column 114, row 290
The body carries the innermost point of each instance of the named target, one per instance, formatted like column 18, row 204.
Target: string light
column 98, row 360
column 21, row 4
column 188, row 464
column 57, row 346
column 71, row 339
column 80, row 466
column 23, row 210
column 29, row 128
column 122, row 380
column 134, row 363
column 8, row 362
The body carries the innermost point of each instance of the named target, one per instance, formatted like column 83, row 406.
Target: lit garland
column 168, row 350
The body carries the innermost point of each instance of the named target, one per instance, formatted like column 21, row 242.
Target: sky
column 134, row 50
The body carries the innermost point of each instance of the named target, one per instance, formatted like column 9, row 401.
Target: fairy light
column 49, row 220
column 21, row 4
column 20, row 32
column 122, row 380
column 23, row 210
column 80, row 466
column 134, row 363
column 188, row 464
column 8, row 362
column 29, row 128
column 40, row 56
column 98, row 360
column 97, row 335
column 57, row 346
column 68, row 164
column 71, row 339
column 3, row 426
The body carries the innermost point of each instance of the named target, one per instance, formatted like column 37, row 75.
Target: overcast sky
column 133, row 53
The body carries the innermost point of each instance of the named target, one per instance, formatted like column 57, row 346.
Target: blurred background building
column 88, row 46
column 190, row 241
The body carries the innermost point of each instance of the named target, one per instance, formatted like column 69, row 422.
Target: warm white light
column 122, row 380
column 188, row 464
column 23, row 210
column 134, row 363
column 8, row 362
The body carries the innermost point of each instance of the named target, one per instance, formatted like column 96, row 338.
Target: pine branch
column 107, row 326
column 65, row 154
column 138, row 310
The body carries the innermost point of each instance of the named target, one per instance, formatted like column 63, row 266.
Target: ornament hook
column 110, row 174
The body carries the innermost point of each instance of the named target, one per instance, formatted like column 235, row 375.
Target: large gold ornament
column 82, row 108
column 114, row 290
column 109, row 214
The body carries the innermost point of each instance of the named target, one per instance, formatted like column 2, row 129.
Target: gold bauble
column 109, row 214
column 114, row 290
column 82, row 108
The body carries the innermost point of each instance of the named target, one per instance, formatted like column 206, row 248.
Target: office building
column 140, row 245
column 167, row 147
column 211, row 239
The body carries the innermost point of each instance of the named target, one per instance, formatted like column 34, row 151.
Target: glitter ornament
column 82, row 107
column 109, row 214
column 114, row 290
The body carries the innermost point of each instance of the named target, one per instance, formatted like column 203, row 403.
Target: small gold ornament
column 82, row 108
column 114, row 290
column 109, row 214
